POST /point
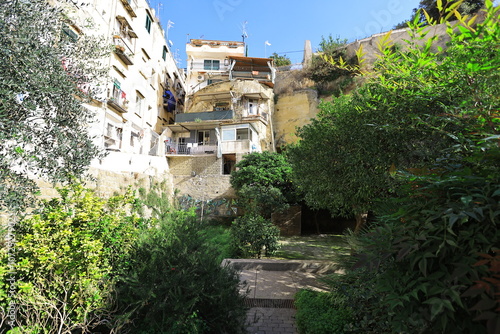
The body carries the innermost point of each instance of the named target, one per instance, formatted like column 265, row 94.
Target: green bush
column 175, row 283
column 86, row 264
column 318, row 313
column 440, row 230
column 218, row 237
column 251, row 234
column 66, row 256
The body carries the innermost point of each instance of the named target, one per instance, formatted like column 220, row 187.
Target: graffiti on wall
column 224, row 207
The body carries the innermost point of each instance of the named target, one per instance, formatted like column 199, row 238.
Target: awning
column 213, row 96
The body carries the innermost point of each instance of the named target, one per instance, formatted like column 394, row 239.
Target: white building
column 145, row 87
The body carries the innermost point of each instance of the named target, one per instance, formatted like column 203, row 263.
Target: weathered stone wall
column 293, row 110
column 200, row 177
column 108, row 183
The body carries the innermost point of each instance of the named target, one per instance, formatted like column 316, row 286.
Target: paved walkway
column 271, row 286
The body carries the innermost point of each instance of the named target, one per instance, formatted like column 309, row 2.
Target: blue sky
column 285, row 24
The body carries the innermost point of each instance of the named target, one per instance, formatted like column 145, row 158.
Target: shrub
column 66, row 256
column 174, row 283
column 318, row 313
column 218, row 237
column 250, row 234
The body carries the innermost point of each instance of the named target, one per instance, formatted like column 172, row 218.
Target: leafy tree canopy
column 43, row 83
column 323, row 71
column 424, row 105
column 467, row 7
column 280, row 60
column 263, row 183
column 263, row 169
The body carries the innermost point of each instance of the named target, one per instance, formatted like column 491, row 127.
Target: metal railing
column 177, row 148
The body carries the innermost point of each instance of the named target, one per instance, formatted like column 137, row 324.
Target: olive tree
column 47, row 72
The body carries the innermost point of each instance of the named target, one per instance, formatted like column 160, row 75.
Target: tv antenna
column 244, row 33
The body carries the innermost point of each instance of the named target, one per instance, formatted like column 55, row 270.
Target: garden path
column 271, row 286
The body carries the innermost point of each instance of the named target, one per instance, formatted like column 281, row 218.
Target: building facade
column 227, row 115
column 144, row 88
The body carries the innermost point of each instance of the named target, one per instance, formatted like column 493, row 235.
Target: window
column 149, row 21
column 242, row 134
column 139, row 103
column 236, row 134
column 165, row 51
column 252, row 107
column 211, row 65
column 228, row 135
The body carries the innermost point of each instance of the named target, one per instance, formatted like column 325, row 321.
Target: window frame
column 149, row 22
column 208, row 64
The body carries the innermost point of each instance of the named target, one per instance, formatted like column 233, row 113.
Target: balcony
column 236, row 146
column 263, row 117
column 200, row 66
column 120, row 52
column 130, row 6
column 118, row 101
column 204, row 116
column 117, row 105
column 183, row 148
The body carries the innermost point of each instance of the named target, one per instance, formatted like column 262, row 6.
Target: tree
column 405, row 117
column 429, row 263
column 322, row 70
column 68, row 255
column 280, row 60
column 45, row 77
column 467, row 7
column 263, row 183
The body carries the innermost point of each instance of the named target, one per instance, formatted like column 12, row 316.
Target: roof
column 252, row 62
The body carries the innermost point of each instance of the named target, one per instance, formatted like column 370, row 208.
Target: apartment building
column 228, row 114
column 144, row 89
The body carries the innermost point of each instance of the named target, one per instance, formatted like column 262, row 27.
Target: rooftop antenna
column 244, row 33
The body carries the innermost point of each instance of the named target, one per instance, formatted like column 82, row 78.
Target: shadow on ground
column 322, row 247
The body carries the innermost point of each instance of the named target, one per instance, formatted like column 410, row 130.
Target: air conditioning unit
column 201, row 78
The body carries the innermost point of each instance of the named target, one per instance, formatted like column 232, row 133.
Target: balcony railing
column 200, row 66
column 204, row 116
column 257, row 75
column 177, row 148
column 236, row 146
column 118, row 101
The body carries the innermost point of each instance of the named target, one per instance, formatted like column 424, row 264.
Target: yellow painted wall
column 293, row 110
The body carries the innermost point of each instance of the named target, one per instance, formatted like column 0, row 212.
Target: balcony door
column 203, row 137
